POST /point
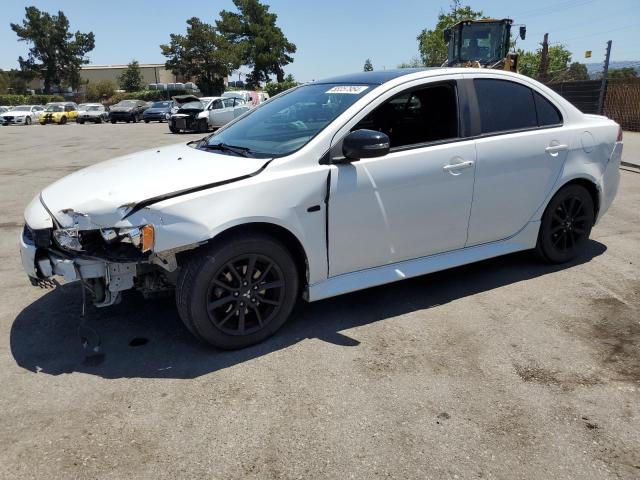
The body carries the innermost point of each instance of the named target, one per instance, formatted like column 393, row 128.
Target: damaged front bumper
column 104, row 279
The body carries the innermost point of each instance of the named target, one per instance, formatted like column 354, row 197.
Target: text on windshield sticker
column 349, row 89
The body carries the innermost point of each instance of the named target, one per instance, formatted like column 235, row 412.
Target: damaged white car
column 328, row 188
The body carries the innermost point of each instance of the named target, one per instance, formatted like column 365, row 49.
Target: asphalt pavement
column 508, row 368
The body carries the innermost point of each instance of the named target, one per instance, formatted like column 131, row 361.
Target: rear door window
column 504, row 105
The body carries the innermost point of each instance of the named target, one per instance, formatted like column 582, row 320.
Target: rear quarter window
column 548, row 114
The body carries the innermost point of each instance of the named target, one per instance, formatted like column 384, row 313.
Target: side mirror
column 523, row 32
column 447, row 35
column 365, row 144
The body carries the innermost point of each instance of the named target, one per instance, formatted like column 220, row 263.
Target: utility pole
column 544, row 59
column 605, row 74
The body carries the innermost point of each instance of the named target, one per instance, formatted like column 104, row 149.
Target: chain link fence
column 621, row 102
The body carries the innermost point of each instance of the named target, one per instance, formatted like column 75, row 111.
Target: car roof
column 377, row 77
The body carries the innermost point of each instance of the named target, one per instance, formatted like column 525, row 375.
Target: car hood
column 105, row 193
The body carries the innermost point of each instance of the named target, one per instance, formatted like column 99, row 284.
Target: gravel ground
column 503, row 369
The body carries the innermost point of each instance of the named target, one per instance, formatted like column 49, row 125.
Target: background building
column 151, row 73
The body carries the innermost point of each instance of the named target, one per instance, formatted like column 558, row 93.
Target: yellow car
column 59, row 112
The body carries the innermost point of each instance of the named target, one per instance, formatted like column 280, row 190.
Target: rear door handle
column 556, row 148
column 454, row 167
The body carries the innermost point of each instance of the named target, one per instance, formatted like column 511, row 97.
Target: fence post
column 605, row 74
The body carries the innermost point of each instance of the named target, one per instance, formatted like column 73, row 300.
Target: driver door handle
column 556, row 148
column 452, row 167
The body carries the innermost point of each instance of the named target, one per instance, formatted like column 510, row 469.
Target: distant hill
column 595, row 69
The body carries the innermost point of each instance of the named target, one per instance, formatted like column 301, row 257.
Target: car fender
column 191, row 219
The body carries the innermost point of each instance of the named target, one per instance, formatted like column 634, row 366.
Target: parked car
column 127, row 111
column 92, row 112
column 223, row 110
column 59, row 112
column 252, row 98
column 4, row 108
column 191, row 114
column 158, row 111
column 331, row 187
column 205, row 113
column 21, row 115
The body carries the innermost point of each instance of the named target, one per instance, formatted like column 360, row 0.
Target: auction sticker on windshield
column 351, row 89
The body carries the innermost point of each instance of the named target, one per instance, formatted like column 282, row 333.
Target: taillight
column 619, row 139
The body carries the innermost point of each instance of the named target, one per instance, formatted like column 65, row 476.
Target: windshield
column 126, row 104
column 22, row 108
column 93, row 108
column 285, row 124
column 482, row 42
column 55, row 108
column 161, row 105
column 192, row 106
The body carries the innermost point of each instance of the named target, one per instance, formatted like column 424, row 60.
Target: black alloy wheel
column 566, row 224
column 245, row 294
column 239, row 292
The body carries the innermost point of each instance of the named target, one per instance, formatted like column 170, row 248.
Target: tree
column 131, row 79
column 4, row 82
column 57, row 54
column 625, row 72
column 415, row 62
column 261, row 43
column 100, row 90
column 202, row 54
column 433, row 50
column 577, row 71
column 274, row 88
column 368, row 66
column 559, row 58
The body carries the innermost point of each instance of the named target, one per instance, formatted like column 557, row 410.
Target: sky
column 333, row 36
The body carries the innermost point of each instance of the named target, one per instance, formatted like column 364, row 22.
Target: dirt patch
column 616, row 337
column 544, row 376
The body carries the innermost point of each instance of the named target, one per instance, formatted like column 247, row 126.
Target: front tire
column 566, row 225
column 239, row 292
column 203, row 126
column 27, row 121
column 113, row 122
column 63, row 120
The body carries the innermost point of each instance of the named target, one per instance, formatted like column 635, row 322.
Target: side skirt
column 371, row 277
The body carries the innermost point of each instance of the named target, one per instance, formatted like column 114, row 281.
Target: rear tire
column 63, row 120
column 239, row 292
column 566, row 225
column 81, row 122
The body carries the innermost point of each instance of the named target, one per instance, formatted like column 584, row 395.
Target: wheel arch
column 591, row 187
column 288, row 239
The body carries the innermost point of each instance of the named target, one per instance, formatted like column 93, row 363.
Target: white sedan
column 22, row 115
column 223, row 110
column 332, row 187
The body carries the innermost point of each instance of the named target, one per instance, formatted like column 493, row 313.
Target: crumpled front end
column 107, row 261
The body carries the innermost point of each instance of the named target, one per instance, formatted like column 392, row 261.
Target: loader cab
column 481, row 43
